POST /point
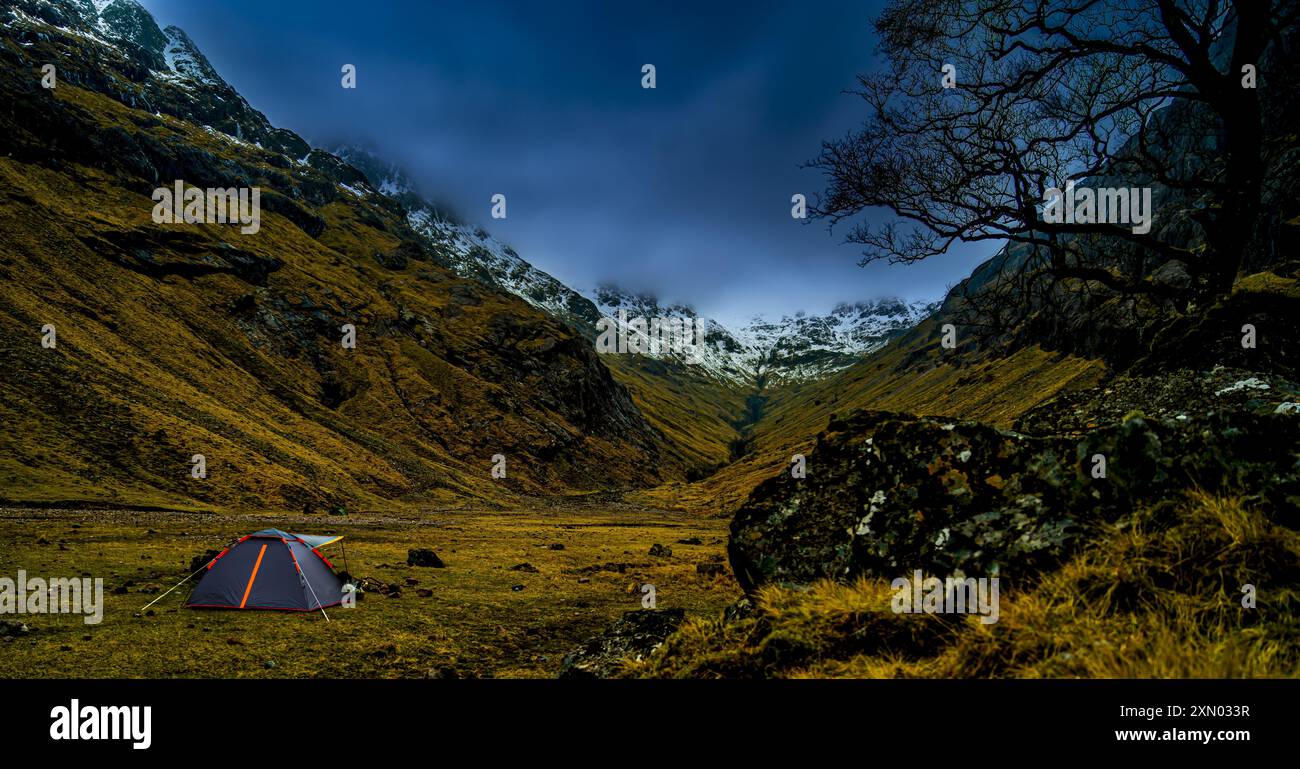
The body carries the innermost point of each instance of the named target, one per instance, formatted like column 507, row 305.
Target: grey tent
column 270, row 569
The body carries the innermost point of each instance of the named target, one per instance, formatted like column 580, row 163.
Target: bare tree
column 1042, row 93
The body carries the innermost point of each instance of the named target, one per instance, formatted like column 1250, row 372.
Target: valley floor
column 478, row 621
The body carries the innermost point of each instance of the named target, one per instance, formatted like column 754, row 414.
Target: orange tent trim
column 253, row 576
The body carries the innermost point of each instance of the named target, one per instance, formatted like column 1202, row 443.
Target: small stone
column 710, row 569
column 424, row 557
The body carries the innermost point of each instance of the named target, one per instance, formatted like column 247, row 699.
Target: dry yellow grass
column 1160, row 596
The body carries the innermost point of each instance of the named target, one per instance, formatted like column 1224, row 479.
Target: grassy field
column 476, row 622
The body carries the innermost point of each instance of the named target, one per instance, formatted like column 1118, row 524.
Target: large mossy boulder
column 887, row 493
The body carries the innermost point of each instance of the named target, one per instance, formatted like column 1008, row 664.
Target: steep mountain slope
column 758, row 354
column 471, row 251
column 696, row 409
column 177, row 340
column 704, row 405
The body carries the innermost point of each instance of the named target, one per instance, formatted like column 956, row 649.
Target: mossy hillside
column 701, row 416
column 201, row 340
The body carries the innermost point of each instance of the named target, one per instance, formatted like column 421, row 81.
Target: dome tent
column 270, row 569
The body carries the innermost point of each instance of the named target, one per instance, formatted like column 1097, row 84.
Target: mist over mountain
column 791, row 349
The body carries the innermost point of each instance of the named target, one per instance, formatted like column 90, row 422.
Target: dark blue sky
column 683, row 190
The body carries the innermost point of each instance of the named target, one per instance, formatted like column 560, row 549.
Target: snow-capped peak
column 794, row 348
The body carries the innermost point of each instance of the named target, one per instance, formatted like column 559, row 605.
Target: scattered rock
column 634, row 636
column 12, row 627
column 424, row 557
column 424, row 592
column 739, row 610
column 201, row 561
column 690, row 541
column 516, row 588
column 661, row 551
column 621, row 568
column 556, row 546
column 449, row 672
column 710, row 569
column 524, row 567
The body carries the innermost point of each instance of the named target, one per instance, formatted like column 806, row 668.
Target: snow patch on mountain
column 472, row 252
column 761, row 353
column 793, row 349
column 184, row 59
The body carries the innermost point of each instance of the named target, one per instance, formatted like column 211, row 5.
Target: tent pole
column 313, row 591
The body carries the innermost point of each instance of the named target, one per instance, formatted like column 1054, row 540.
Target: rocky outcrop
column 632, row 637
column 886, row 493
